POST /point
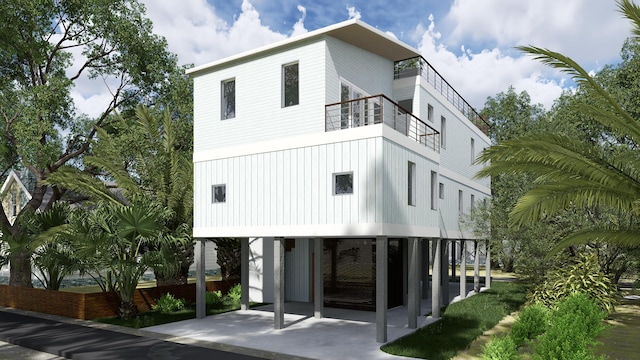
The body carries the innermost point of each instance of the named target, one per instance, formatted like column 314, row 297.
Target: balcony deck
column 419, row 66
column 379, row 109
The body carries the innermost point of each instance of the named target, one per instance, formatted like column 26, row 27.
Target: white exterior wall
column 259, row 112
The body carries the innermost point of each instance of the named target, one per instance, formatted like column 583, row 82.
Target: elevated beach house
column 340, row 158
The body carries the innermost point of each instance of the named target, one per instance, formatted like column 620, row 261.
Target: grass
column 151, row 318
column 461, row 323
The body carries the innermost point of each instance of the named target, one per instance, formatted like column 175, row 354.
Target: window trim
column 223, row 114
column 334, row 177
column 213, row 194
column 284, row 84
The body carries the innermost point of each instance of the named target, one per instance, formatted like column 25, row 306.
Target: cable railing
column 419, row 66
column 379, row 109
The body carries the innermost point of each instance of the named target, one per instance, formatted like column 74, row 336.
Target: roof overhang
column 354, row 32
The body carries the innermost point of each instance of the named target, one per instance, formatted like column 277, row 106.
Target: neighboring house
column 15, row 192
column 339, row 157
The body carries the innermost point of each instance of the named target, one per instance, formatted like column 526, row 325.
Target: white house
column 337, row 157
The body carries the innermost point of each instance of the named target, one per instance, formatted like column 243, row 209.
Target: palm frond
column 626, row 238
column 632, row 12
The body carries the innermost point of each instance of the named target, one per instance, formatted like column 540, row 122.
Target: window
column 441, row 191
column 411, row 183
column 473, row 150
column 343, row 183
column 443, row 132
column 219, row 193
column 13, row 204
column 460, row 202
column 429, row 112
column 406, row 104
column 228, row 99
column 290, row 85
column 473, row 200
column 434, row 188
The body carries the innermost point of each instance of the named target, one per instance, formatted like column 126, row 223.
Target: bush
column 167, row 304
column 235, row 295
column 572, row 331
column 532, row 321
column 500, row 348
column 214, row 299
column 585, row 276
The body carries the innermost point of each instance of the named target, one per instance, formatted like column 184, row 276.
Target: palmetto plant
column 122, row 240
column 571, row 172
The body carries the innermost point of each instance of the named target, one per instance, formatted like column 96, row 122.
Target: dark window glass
column 290, row 82
column 219, row 193
column 344, row 184
column 229, row 99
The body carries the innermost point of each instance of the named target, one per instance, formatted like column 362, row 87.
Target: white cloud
column 479, row 75
column 588, row 31
column 353, row 13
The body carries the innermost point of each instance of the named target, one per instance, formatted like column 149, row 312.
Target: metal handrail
column 379, row 109
column 419, row 66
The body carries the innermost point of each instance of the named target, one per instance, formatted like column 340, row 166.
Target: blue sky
column 470, row 42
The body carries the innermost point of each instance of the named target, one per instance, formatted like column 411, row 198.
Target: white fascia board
column 368, row 38
column 452, row 175
column 324, row 230
column 331, row 137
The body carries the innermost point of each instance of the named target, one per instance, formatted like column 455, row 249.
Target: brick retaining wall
column 95, row 305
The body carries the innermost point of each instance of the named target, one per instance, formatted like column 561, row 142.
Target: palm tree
column 121, row 240
column 570, row 172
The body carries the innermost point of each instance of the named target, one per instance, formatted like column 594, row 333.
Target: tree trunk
column 127, row 310
column 20, row 269
column 228, row 250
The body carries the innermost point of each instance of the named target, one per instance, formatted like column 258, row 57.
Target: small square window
column 343, row 183
column 219, row 193
column 441, row 191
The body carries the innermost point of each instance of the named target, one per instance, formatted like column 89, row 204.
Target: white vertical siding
column 297, row 272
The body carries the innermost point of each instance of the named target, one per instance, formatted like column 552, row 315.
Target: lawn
column 461, row 323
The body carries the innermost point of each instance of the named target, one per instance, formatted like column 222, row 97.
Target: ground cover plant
column 461, row 323
column 168, row 310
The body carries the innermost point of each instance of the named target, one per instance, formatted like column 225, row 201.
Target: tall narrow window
column 411, row 183
column 429, row 112
column 441, row 191
column 434, row 189
column 219, row 193
column 13, row 204
column 443, row 132
column 460, row 202
column 473, row 201
column 229, row 99
column 473, row 150
column 290, row 85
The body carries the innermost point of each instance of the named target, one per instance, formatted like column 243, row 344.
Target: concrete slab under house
column 344, row 161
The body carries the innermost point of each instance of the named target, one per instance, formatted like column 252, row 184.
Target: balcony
column 379, row 109
column 419, row 66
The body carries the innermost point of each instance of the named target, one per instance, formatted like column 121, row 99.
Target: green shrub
column 585, row 276
column 214, row 298
column 572, row 331
column 531, row 322
column 167, row 303
column 234, row 295
column 500, row 348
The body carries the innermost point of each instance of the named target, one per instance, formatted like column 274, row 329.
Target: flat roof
column 353, row 31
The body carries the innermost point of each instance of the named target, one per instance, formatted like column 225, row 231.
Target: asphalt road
column 81, row 342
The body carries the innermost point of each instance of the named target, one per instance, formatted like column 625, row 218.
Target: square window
column 290, row 85
column 228, row 99
column 343, row 183
column 219, row 193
